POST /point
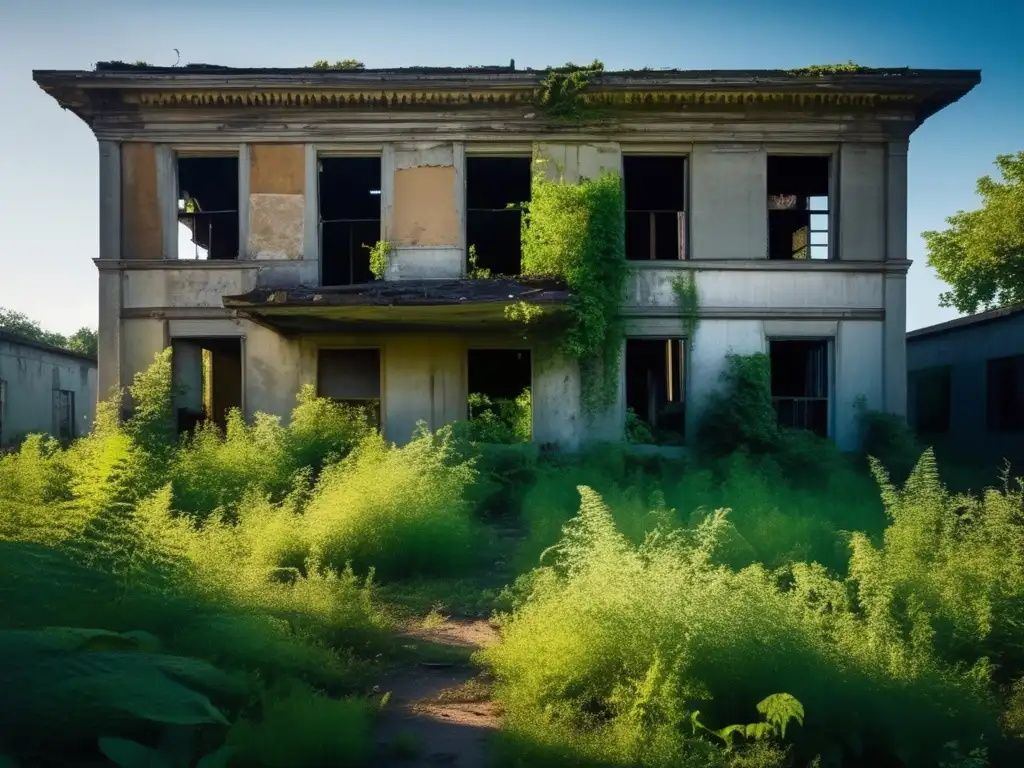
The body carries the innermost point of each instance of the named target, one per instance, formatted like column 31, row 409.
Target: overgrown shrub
column 500, row 421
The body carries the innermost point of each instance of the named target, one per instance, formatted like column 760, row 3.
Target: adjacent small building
column 965, row 383
column 44, row 389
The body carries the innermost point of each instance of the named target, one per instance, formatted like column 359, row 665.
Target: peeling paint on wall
column 141, row 231
column 425, row 210
column 278, row 169
column 276, row 226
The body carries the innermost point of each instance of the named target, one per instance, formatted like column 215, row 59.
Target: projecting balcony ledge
column 466, row 304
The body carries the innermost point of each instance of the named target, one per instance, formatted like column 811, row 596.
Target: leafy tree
column 981, row 254
column 83, row 341
column 22, row 325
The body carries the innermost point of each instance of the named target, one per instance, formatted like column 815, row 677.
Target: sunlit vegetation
column 231, row 598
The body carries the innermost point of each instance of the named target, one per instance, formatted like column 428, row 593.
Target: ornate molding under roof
column 126, row 88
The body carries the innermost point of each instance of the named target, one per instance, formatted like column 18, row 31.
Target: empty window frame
column 655, row 189
column 349, row 190
column 493, row 231
column 352, row 377
column 207, row 207
column 800, row 381
column 64, row 414
column 1005, row 394
column 656, row 387
column 799, row 205
column 499, row 381
column 207, row 375
column 932, row 399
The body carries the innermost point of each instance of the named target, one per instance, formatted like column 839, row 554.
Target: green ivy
column 689, row 303
column 473, row 271
column 576, row 233
column 380, row 257
column 560, row 95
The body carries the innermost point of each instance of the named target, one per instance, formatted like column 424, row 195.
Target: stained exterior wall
column 858, row 300
column 31, row 377
column 966, row 351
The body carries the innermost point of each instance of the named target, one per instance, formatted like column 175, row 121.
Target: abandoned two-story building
column 237, row 207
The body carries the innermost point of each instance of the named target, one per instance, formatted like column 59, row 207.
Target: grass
column 637, row 598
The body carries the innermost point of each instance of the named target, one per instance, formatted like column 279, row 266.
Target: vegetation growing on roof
column 343, row 64
column 560, row 95
column 576, row 233
column 828, row 69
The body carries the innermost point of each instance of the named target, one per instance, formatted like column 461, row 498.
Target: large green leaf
column 130, row 754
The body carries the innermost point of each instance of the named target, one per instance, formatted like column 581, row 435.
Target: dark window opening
column 1005, row 394
column 352, row 377
column 64, row 414
column 208, row 207
column 655, row 188
column 798, row 207
column 207, row 376
column 800, row 385
column 932, row 398
column 492, row 228
column 499, row 382
column 349, row 189
column 655, row 387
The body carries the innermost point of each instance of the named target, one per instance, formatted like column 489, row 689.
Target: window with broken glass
column 800, row 383
column 655, row 191
column 799, row 215
column 349, row 190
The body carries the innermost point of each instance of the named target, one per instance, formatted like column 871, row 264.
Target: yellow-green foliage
column 501, row 421
column 669, row 632
column 402, row 510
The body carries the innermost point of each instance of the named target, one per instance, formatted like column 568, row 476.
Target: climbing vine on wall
column 380, row 257
column 685, row 287
column 576, row 233
column 560, row 95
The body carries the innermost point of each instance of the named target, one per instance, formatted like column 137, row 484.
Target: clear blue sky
column 48, row 160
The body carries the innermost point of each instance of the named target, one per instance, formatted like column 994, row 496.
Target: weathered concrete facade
column 44, row 389
column 966, row 384
column 283, row 128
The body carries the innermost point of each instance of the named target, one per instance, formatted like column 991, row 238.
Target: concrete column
column 896, row 202
column 167, row 197
column 311, row 212
column 862, row 193
column 895, row 344
column 110, row 200
column 109, row 333
column 244, row 206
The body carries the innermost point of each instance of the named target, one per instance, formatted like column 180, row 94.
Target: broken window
column 352, row 377
column 64, row 414
column 500, row 406
column 800, row 383
column 492, row 227
column 655, row 388
column 208, row 208
column 798, row 207
column 655, row 188
column 349, row 190
column 932, row 390
column 1005, row 394
column 207, row 375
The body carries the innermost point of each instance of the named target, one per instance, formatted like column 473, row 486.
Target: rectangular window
column 351, row 376
column 493, row 233
column 207, row 376
column 798, row 206
column 497, row 379
column 932, row 394
column 349, row 192
column 64, row 414
column 655, row 189
column 656, row 387
column 800, row 383
column 1005, row 394
column 208, row 208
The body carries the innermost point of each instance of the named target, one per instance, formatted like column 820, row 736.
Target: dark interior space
column 654, row 386
column 655, row 187
column 1005, row 394
column 501, row 374
column 492, row 228
column 350, row 376
column 800, row 386
column 932, row 397
column 208, row 205
column 208, row 376
column 349, row 189
column 798, row 207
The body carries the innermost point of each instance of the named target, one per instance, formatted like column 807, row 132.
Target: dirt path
column 439, row 713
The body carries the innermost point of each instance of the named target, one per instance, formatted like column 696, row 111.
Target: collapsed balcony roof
column 462, row 304
column 119, row 87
